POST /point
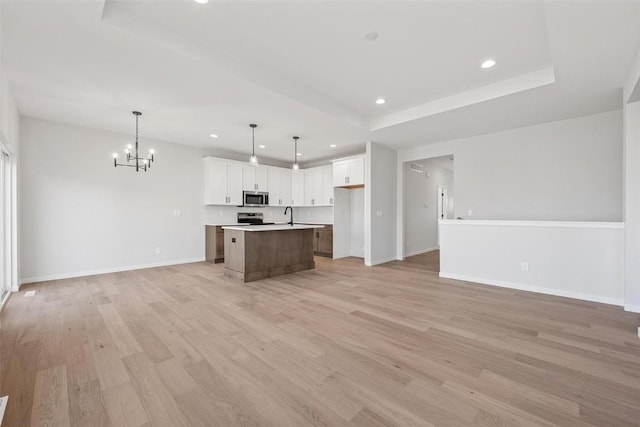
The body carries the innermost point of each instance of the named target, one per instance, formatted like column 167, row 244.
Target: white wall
column 421, row 205
column 632, row 207
column 81, row 215
column 577, row 260
column 380, row 204
column 567, row 170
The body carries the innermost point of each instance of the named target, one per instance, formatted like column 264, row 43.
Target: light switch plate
column 378, row 213
column 176, row 212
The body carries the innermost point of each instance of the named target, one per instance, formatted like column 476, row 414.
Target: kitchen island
column 255, row 252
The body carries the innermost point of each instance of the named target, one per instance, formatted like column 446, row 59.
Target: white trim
column 549, row 224
column 107, row 270
column 529, row 288
column 495, row 90
column 2, row 304
column 3, row 406
column 381, row 261
column 632, row 308
column 421, row 251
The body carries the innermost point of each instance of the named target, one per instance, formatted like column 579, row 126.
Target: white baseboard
column 540, row 290
column 107, row 270
column 632, row 308
column 421, row 251
column 381, row 261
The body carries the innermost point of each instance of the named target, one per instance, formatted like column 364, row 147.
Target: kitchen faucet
column 285, row 212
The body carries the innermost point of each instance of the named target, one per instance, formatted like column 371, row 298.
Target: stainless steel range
column 252, row 218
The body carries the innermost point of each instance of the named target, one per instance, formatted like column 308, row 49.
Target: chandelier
column 140, row 163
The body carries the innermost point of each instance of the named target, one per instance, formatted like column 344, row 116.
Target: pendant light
column 140, row 163
column 253, row 160
column 295, row 166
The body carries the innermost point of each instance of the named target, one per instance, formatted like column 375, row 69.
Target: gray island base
column 257, row 252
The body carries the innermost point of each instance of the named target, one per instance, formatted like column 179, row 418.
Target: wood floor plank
column 51, row 399
column 344, row 344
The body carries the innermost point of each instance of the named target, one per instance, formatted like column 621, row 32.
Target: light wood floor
column 340, row 345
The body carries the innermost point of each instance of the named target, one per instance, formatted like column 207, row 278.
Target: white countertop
column 273, row 227
column 237, row 224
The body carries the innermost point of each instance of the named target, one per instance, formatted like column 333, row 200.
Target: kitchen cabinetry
column 318, row 186
column 327, row 185
column 214, row 243
column 297, row 188
column 279, row 186
column 348, row 172
column 323, row 241
column 223, row 182
column 254, row 178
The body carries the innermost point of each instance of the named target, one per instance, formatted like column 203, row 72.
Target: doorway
column 428, row 198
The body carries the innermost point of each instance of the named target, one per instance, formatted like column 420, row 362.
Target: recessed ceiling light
column 488, row 63
column 262, row 146
column 213, row 135
column 380, row 101
column 371, row 36
column 333, row 146
column 202, row 1
column 298, row 154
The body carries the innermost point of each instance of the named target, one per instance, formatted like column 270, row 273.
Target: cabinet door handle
column 312, row 200
column 331, row 201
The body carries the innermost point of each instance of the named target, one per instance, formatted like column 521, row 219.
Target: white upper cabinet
column 223, row 182
column 314, row 186
column 327, row 185
column 348, row 172
column 273, row 185
column 285, row 187
column 254, row 178
column 297, row 188
column 308, row 187
column 279, row 186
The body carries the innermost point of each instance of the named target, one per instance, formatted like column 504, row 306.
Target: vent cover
column 416, row 167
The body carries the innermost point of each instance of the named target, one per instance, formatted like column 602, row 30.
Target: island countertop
column 271, row 227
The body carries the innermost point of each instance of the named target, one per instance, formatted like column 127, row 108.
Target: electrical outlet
column 157, row 249
column 378, row 213
column 470, row 213
column 524, row 266
column 176, row 212
column 221, row 213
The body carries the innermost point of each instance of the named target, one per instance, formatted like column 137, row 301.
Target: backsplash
column 229, row 214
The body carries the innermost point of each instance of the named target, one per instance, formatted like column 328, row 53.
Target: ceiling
column 305, row 68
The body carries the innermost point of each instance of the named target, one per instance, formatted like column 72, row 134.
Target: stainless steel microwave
column 255, row 199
